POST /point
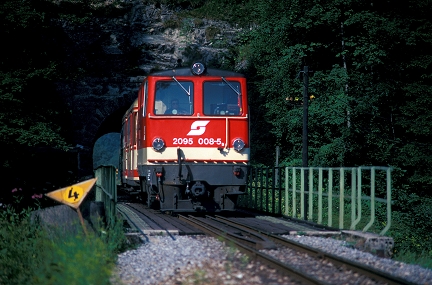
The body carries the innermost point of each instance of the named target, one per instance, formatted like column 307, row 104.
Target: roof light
column 198, row 68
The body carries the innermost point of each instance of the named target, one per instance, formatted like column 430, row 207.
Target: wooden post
column 82, row 221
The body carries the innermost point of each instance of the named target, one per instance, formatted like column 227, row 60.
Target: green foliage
column 371, row 79
column 32, row 115
column 21, row 247
column 171, row 24
column 239, row 12
column 76, row 260
column 24, row 118
column 29, row 255
column 423, row 259
column 82, row 11
column 371, row 82
column 412, row 218
column 211, row 32
column 177, row 3
column 114, row 237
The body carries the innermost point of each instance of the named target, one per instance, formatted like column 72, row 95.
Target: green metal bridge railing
column 324, row 195
column 106, row 189
column 351, row 197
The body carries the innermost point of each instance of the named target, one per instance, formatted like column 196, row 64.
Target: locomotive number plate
column 201, row 141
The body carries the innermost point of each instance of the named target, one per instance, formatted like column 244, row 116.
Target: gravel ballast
column 206, row 260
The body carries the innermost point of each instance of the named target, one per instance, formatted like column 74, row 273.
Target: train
column 185, row 142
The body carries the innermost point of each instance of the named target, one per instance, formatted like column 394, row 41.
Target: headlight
column 158, row 144
column 198, row 68
column 238, row 144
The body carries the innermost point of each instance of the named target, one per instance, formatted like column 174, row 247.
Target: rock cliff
column 111, row 53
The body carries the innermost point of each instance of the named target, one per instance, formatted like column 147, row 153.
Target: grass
column 32, row 254
column 423, row 259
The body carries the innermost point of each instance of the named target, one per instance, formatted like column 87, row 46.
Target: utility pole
column 305, row 136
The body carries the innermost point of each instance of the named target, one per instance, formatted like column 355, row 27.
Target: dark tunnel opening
column 112, row 124
column 106, row 144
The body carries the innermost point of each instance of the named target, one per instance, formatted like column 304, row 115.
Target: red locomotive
column 185, row 140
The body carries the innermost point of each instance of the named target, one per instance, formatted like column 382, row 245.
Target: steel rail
column 124, row 214
column 135, row 210
column 251, row 238
column 285, row 269
column 368, row 271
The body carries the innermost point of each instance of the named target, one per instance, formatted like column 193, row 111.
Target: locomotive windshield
column 222, row 98
column 174, row 98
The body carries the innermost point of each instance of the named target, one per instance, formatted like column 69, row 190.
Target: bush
column 76, row 260
column 411, row 229
column 21, row 245
column 32, row 254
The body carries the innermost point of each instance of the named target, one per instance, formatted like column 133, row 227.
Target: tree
column 31, row 112
column 371, row 81
column 372, row 85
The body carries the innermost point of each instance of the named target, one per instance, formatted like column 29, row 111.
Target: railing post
column 353, row 196
column 267, row 189
column 255, row 202
column 310, row 195
column 372, row 220
column 359, row 206
column 273, row 190
column 388, row 186
column 330, row 197
column 286, row 191
column 320, row 193
column 302, row 194
column 294, row 202
column 341, row 197
column 280, row 190
column 106, row 190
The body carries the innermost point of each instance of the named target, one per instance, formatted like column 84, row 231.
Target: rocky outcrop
column 111, row 55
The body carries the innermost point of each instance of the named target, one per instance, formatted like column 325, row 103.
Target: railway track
column 262, row 241
column 263, row 246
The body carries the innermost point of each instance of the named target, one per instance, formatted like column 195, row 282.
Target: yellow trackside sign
column 73, row 195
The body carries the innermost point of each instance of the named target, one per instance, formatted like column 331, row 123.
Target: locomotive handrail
column 198, row 115
column 195, row 161
column 179, row 161
column 206, row 117
column 226, row 132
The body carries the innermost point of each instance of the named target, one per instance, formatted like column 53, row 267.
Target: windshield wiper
column 232, row 87
column 182, row 87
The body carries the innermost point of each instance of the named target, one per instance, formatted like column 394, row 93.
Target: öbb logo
column 198, row 128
